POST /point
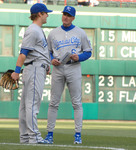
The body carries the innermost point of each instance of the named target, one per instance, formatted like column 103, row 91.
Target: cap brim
column 49, row 11
column 67, row 12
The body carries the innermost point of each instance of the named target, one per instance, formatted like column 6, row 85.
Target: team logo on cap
column 68, row 8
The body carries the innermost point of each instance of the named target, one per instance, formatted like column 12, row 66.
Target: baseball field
column 96, row 135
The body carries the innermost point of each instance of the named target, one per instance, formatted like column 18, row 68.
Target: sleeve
column 49, row 41
column 84, row 56
column 85, row 42
column 51, row 56
column 24, row 51
column 29, row 40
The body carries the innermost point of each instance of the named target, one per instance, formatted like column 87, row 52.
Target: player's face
column 44, row 17
column 67, row 19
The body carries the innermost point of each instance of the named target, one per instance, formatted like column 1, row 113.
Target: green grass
column 96, row 135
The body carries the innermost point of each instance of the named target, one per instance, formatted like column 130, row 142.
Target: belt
column 71, row 62
column 30, row 63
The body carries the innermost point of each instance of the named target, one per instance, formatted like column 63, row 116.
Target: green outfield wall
column 108, row 77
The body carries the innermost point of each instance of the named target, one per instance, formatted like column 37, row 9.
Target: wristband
column 18, row 69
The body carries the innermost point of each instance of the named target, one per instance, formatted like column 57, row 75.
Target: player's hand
column 55, row 62
column 15, row 76
column 48, row 70
column 74, row 57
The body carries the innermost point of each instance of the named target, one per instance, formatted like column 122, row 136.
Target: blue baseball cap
column 39, row 7
column 70, row 10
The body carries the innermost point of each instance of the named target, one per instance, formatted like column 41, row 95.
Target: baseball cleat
column 49, row 139
column 78, row 139
column 42, row 142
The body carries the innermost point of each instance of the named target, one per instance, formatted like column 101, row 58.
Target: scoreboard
column 117, row 45
column 112, row 45
column 115, row 89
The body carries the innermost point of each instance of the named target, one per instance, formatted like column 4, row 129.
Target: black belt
column 30, row 63
column 70, row 62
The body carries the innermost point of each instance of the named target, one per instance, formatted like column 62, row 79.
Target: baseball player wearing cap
column 34, row 55
column 67, row 39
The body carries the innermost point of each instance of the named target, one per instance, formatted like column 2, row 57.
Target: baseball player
column 34, row 55
column 67, row 39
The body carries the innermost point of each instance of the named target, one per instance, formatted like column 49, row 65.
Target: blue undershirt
column 68, row 28
column 84, row 56
column 51, row 55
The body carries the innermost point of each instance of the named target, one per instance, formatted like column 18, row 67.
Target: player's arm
column 54, row 61
column 85, row 48
column 84, row 56
column 19, row 64
column 81, row 57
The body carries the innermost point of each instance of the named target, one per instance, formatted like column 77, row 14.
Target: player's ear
column 73, row 18
column 39, row 14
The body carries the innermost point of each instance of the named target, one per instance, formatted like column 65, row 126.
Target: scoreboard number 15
column 111, row 36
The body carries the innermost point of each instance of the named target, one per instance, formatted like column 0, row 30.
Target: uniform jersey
column 35, row 41
column 74, row 41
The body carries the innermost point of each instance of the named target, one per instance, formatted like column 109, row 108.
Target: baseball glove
column 7, row 82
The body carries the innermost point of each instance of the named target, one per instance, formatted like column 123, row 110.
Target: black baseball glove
column 7, row 82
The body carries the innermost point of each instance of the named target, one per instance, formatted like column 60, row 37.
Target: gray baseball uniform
column 34, row 75
column 61, row 41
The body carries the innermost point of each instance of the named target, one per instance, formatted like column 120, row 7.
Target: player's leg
column 35, row 84
column 24, row 138
column 57, row 87
column 75, row 93
column 74, row 85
